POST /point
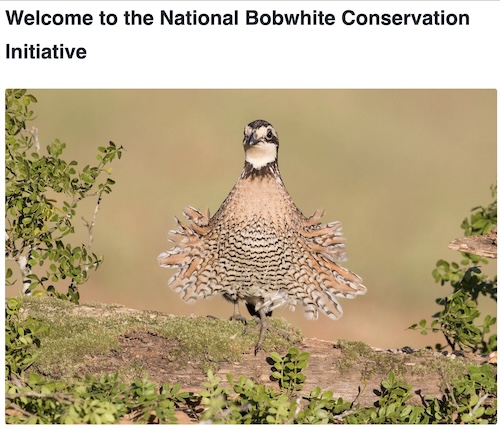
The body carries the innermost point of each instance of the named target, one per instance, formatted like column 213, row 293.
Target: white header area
column 254, row 44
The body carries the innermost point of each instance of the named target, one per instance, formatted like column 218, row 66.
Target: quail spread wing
column 259, row 245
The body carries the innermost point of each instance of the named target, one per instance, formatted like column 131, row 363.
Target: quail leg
column 237, row 315
column 265, row 326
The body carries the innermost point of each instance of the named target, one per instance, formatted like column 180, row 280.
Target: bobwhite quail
column 259, row 247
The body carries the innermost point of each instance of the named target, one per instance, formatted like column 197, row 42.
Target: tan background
column 399, row 168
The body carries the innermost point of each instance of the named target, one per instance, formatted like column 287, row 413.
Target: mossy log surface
column 102, row 339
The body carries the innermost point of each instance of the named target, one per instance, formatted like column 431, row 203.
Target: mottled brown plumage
column 259, row 247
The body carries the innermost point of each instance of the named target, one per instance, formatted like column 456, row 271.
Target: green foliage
column 149, row 405
column 96, row 400
column 287, row 370
column 91, row 400
column 482, row 219
column 392, row 406
column 256, row 403
column 42, row 194
column 471, row 393
column 249, row 402
column 20, row 337
column 37, row 400
column 323, row 408
column 472, row 399
column 458, row 320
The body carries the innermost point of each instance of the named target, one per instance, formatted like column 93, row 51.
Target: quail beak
column 251, row 141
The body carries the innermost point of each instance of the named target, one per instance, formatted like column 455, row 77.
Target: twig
column 18, row 409
column 479, row 403
column 452, row 395
column 34, row 132
column 342, row 416
column 351, row 410
column 90, row 225
column 25, row 268
column 57, row 396
column 17, row 381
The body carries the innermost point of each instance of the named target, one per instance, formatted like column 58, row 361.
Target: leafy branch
column 42, row 194
column 458, row 320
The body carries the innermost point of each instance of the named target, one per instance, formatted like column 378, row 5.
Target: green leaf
column 277, row 375
column 275, row 357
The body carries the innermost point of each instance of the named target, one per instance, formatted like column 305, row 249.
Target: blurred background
column 400, row 169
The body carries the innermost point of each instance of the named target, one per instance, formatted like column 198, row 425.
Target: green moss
column 353, row 353
column 447, row 369
column 373, row 365
column 90, row 330
column 95, row 304
column 69, row 338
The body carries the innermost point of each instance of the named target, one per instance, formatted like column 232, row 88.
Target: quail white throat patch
column 261, row 154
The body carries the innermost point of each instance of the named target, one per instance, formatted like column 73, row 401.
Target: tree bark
column 481, row 245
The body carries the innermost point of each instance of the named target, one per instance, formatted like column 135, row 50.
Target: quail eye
column 269, row 134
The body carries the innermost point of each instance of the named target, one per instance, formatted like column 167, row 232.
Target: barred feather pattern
column 260, row 248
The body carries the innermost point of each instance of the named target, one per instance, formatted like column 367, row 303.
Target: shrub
column 458, row 320
column 42, row 194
